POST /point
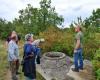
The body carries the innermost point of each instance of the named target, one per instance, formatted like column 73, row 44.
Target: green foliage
column 97, row 55
column 62, row 47
column 90, row 47
column 57, row 40
column 5, row 28
column 94, row 19
column 96, row 64
column 37, row 19
column 32, row 20
column 98, row 74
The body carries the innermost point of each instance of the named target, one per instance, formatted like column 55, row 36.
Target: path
column 39, row 69
column 8, row 75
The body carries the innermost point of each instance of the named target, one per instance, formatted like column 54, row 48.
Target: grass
column 4, row 64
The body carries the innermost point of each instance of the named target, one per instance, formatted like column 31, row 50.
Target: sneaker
column 75, row 70
column 81, row 68
column 18, row 73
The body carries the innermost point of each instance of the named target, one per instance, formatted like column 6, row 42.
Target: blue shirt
column 29, row 49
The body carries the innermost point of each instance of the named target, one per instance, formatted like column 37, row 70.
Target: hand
column 31, row 56
column 14, row 62
column 42, row 40
column 75, row 51
column 20, row 47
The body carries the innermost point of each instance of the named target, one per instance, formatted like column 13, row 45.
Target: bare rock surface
column 85, row 74
column 57, row 66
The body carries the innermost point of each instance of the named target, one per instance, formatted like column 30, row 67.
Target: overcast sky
column 69, row 9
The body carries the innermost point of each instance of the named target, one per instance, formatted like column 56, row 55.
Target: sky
column 69, row 9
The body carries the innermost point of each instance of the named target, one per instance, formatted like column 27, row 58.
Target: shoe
column 18, row 73
column 81, row 68
column 75, row 70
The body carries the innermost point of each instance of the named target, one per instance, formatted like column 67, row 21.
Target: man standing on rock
column 78, row 59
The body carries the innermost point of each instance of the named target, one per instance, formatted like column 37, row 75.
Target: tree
column 50, row 16
column 38, row 19
column 5, row 28
column 94, row 19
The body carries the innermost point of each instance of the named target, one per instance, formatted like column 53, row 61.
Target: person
column 13, row 33
column 13, row 56
column 78, row 50
column 9, row 37
column 36, row 43
column 29, row 66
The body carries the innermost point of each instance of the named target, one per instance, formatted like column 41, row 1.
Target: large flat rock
column 85, row 74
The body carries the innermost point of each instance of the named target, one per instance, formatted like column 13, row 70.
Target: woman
column 13, row 56
column 13, row 33
column 29, row 67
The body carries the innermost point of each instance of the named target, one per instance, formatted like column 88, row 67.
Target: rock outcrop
column 57, row 66
column 85, row 74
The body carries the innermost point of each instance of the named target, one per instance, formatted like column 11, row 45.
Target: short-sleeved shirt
column 79, row 36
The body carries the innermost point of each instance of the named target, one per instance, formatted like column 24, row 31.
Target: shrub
column 57, row 40
column 96, row 64
column 98, row 74
column 90, row 47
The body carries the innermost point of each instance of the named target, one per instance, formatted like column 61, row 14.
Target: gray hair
column 28, row 36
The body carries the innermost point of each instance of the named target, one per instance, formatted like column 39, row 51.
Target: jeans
column 26, row 78
column 38, row 51
column 78, row 59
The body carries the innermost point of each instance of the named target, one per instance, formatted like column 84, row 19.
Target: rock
column 55, row 65
column 74, row 75
column 68, row 78
column 85, row 74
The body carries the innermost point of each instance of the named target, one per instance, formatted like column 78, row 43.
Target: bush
column 57, row 40
column 62, row 47
column 96, row 64
column 90, row 48
column 63, row 41
column 98, row 74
